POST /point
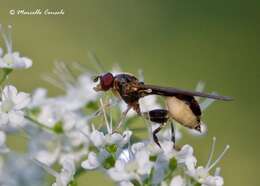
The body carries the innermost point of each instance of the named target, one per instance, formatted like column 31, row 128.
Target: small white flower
column 80, row 93
column 118, row 139
column 12, row 60
column 184, row 156
column 144, row 164
column 122, row 171
column 201, row 174
column 15, row 61
column 92, row 162
column 53, row 112
column 97, row 138
column 131, row 165
column 11, row 106
column 67, row 172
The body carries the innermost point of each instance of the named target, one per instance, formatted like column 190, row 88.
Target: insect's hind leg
column 158, row 116
column 155, row 138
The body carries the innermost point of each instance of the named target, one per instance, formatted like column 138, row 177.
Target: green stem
column 39, row 124
column 79, row 171
column 6, row 72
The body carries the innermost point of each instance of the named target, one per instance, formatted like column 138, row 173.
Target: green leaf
column 4, row 73
column 194, row 182
column 73, row 183
column 58, row 127
column 35, row 111
column 148, row 180
column 135, row 183
column 90, row 107
column 109, row 162
column 93, row 149
column 153, row 158
column 172, row 164
column 111, row 148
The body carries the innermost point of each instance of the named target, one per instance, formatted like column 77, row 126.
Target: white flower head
column 80, row 92
column 12, row 60
column 201, row 174
column 66, row 175
column 11, row 106
column 132, row 164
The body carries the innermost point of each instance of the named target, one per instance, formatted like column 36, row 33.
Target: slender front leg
column 122, row 118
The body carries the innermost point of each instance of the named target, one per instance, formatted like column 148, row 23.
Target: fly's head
column 105, row 82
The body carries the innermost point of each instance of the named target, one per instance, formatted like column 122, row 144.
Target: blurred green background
column 176, row 43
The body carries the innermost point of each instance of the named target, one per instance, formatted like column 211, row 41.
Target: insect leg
column 173, row 134
column 158, row 116
column 122, row 118
column 155, row 138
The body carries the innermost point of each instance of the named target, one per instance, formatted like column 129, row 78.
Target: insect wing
column 168, row 91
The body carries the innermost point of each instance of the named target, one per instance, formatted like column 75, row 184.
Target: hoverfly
column 181, row 104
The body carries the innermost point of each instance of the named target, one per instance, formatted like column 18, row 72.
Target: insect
column 181, row 104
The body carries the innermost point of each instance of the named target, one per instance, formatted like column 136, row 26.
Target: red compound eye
column 106, row 81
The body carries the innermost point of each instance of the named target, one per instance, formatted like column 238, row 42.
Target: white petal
column 68, row 164
column 21, row 100
column 126, row 183
column 144, row 164
column 118, row 172
column 113, row 138
column 213, row 181
column 97, row 138
column 185, row 152
column 3, row 119
column 92, row 162
column 27, row 62
column 177, row 181
column 9, row 92
column 47, row 157
column 16, row 118
column 137, row 147
column 190, row 163
column 126, row 137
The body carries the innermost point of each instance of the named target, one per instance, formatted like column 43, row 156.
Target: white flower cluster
column 75, row 132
